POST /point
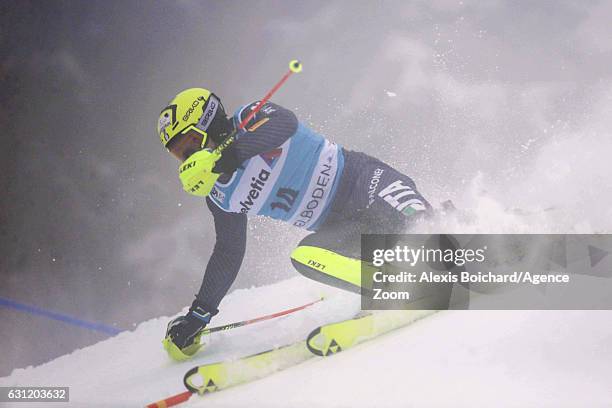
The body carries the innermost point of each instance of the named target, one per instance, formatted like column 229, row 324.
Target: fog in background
column 496, row 103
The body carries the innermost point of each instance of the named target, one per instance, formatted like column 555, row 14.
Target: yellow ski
column 323, row 341
column 218, row 376
column 335, row 337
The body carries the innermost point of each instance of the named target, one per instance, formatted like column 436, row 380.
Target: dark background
column 504, row 100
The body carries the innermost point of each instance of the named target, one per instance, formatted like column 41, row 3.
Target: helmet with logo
column 194, row 109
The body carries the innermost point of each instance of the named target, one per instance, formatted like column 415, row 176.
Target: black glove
column 183, row 330
column 228, row 163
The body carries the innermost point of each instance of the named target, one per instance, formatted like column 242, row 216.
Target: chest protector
column 295, row 182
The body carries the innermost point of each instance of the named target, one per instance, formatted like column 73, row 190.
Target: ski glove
column 183, row 330
column 196, row 173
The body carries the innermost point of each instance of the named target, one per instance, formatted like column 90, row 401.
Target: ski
column 208, row 378
column 332, row 338
column 323, row 341
column 185, row 354
column 219, row 376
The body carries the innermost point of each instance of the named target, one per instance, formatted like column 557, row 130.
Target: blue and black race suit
column 289, row 172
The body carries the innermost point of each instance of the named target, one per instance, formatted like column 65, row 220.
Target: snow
column 453, row 358
column 522, row 359
column 458, row 358
column 132, row 369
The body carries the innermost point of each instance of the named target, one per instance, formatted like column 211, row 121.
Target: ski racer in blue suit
column 279, row 168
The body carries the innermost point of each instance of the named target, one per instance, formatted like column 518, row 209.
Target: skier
column 278, row 167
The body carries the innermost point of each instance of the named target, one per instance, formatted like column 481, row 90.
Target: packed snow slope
column 453, row 358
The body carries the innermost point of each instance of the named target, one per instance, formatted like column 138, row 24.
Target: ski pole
column 171, row 401
column 258, row 319
column 295, row 66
